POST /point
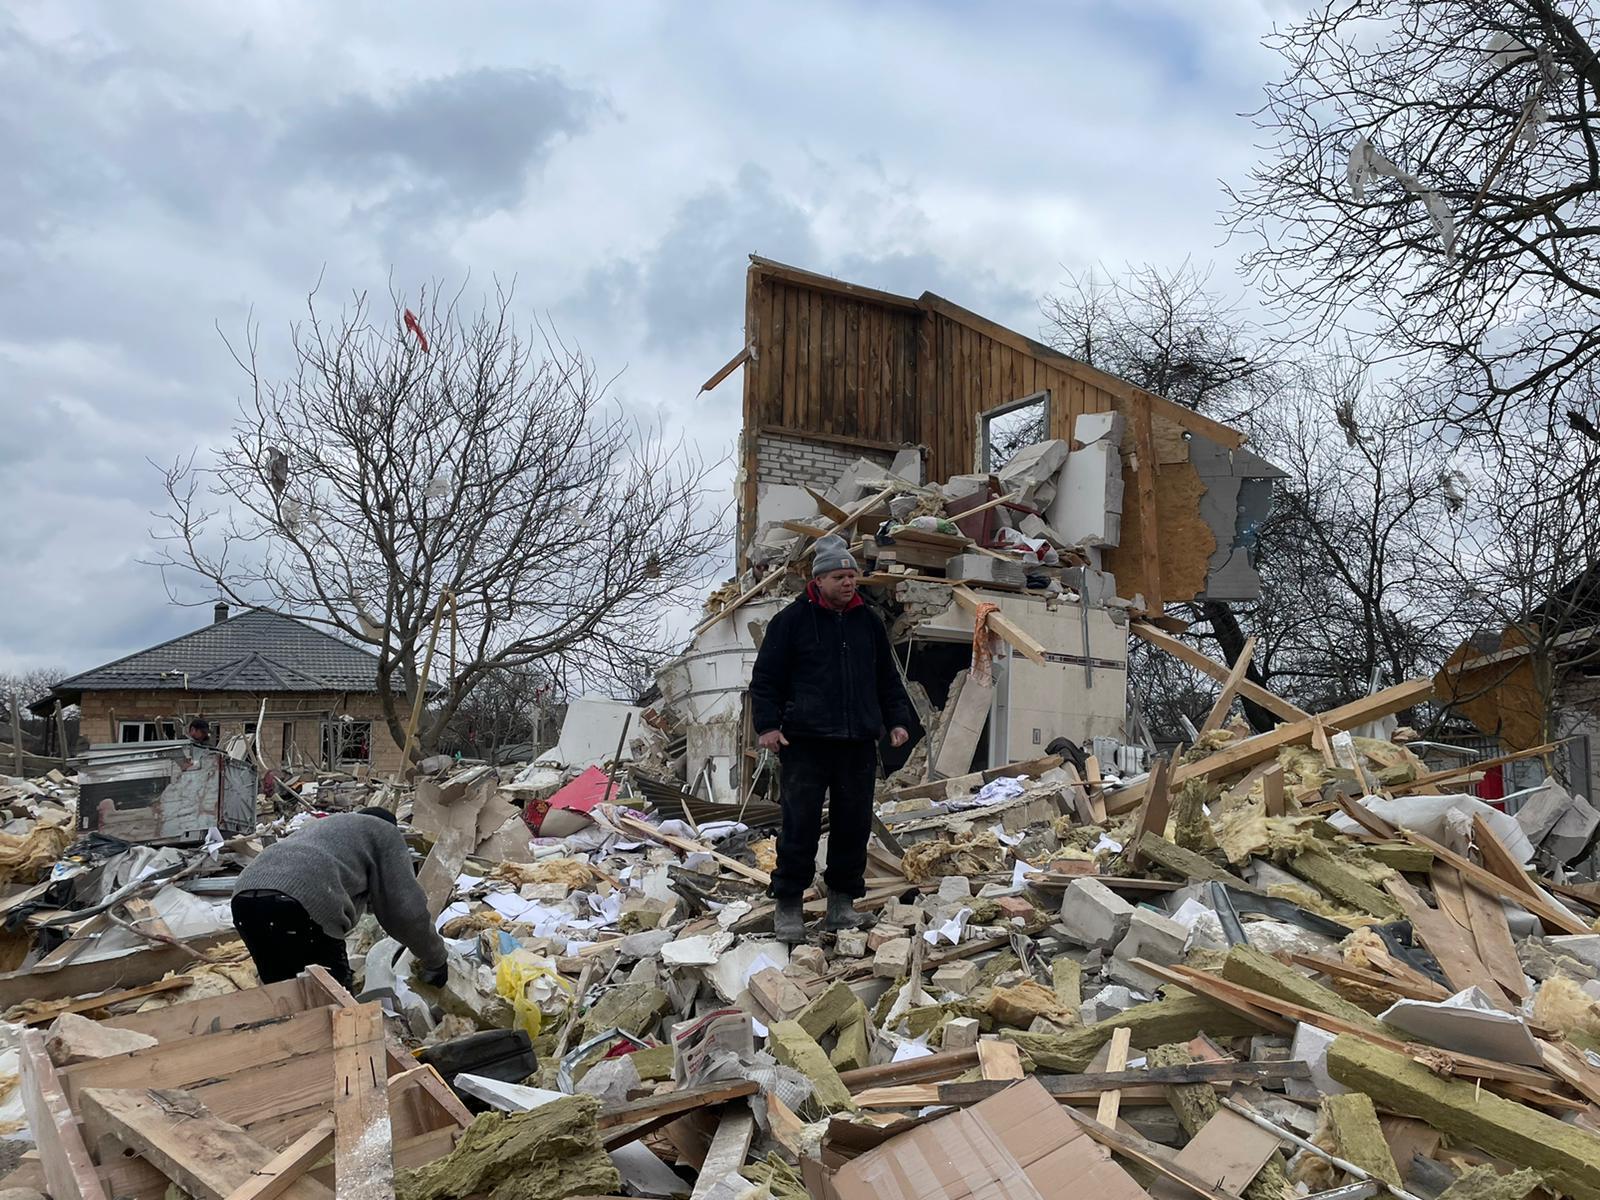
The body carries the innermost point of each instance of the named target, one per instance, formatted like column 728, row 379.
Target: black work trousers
column 844, row 770
column 283, row 939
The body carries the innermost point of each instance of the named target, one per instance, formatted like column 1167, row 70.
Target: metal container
column 164, row 793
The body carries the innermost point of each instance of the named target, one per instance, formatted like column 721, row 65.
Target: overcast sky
column 171, row 168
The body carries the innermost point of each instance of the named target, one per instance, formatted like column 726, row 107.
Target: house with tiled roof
column 315, row 695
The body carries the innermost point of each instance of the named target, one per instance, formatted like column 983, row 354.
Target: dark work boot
column 842, row 913
column 789, row 922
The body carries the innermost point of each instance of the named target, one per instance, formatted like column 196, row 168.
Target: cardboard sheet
column 1016, row 1145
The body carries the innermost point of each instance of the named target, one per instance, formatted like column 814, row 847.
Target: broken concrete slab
column 1093, row 914
column 1152, row 937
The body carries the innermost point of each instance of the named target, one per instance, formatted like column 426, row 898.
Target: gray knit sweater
column 340, row 866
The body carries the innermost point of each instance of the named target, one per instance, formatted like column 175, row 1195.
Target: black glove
column 434, row 976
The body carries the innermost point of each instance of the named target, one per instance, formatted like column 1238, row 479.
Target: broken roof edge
column 1132, row 393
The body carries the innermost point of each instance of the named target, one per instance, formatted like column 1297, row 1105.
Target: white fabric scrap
column 951, row 930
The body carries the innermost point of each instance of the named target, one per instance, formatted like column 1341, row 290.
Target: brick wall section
column 302, row 713
column 800, row 462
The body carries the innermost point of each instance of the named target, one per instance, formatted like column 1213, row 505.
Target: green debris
column 1483, row 1182
column 1250, row 968
column 1150, row 1024
column 1186, row 864
column 792, row 1046
column 1344, row 882
column 1359, row 1136
column 1566, row 1157
column 782, row 1180
column 1066, row 977
column 851, row 1051
column 552, row 1152
column 830, row 1010
column 1191, row 827
column 634, row 1007
column 654, row 1063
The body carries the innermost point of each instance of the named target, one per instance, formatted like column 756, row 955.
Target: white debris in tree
column 1366, row 160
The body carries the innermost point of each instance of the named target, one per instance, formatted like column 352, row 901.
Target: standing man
column 200, row 731
column 300, row 897
column 825, row 686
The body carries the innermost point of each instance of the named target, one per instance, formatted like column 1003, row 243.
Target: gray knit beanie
column 832, row 554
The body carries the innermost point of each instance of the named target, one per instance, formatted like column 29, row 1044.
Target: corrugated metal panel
column 164, row 792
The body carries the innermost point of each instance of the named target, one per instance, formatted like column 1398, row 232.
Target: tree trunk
column 1231, row 637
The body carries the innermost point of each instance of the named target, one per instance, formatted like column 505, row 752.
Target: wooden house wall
column 831, row 364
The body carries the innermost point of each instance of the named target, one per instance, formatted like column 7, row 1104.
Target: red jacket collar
column 813, row 595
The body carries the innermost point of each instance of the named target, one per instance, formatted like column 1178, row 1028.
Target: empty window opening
column 1004, row 430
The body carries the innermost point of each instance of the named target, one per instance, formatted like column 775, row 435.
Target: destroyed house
column 835, row 373
column 315, row 695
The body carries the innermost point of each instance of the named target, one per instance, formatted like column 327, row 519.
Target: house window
column 1004, row 430
column 289, row 748
column 146, row 731
column 346, row 742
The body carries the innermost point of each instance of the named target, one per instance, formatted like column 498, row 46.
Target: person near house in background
column 299, row 899
column 825, row 685
column 200, row 731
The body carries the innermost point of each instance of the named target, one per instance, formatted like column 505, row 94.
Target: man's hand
column 772, row 740
column 898, row 736
column 434, row 976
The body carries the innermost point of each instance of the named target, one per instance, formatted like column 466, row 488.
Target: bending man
column 824, row 687
column 297, row 902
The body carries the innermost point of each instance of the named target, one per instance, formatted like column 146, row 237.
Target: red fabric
column 580, row 795
column 416, row 327
column 814, row 594
column 1493, row 784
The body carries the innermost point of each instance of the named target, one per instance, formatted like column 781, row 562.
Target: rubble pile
column 1281, row 964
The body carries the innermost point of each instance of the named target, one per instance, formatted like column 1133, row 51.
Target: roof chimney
column 219, row 614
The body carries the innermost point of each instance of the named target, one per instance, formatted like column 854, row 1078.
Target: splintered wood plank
column 1445, row 940
column 1499, row 860
column 363, row 1150
column 68, row 1169
column 1272, row 790
column 999, row 1060
column 730, row 1145
column 1553, row 915
column 90, row 1003
column 1117, row 1060
column 1157, row 805
column 288, row 1165
column 1230, row 689
column 205, row 1156
column 1254, row 692
column 1487, row 921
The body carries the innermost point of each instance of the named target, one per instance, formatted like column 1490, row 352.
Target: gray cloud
column 468, row 140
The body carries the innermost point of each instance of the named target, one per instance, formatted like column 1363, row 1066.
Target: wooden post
column 363, row 1151
column 61, row 733
column 16, row 733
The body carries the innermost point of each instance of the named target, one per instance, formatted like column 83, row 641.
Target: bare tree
column 451, row 469
column 502, row 710
column 28, row 686
column 1432, row 175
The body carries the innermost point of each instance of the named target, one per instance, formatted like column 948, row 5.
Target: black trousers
column 843, row 770
column 283, row 939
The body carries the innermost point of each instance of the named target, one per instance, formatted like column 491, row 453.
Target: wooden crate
column 262, row 1059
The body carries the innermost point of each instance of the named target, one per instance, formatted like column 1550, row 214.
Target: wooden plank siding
column 869, row 368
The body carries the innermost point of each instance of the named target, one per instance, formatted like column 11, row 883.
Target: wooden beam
column 1162, row 640
column 1157, row 807
column 1553, row 916
column 943, row 1065
column 1014, row 636
column 730, row 1145
column 1144, row 480
column 363, row 1151
column 687, row 846
column 106, row 999
column 288, row 1165
column 1230, row 687
column 205, row 1156
column 1135, row 1147
column 827, row 283
column 68, row 1168
column 1498, row 859
column 1116, row 1061
column 1252, row 750
column 732, row 365
column 133, row 969
column 1433, row 777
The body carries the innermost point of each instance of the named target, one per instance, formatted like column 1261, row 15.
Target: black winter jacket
column 829, row 674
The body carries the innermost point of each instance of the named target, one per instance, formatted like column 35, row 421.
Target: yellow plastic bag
column 528, row 982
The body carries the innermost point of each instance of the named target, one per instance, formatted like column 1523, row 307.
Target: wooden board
column 1116, row 1061
column 1444, row 940
column 133, row 969
column 363, row 1149
column 1487, row 921
column 730, row 1145
column 1230, row 688
column 213, row 1014
column 1254, row 692
column 68, row 1169
column 999, row 1060
column 106, row 999
column 202, row 1154
column 1554, row 917
column 1011, row 633
column 1228, row 1152
column 1157, row 807
column 281, row 1171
